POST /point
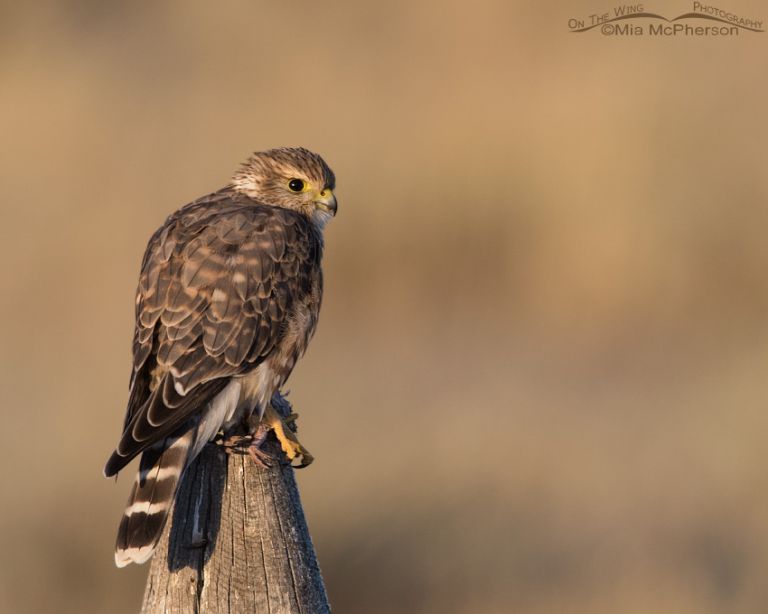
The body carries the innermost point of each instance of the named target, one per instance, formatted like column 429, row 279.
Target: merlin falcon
column 228, row 299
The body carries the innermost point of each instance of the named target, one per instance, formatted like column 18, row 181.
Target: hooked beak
column 326, row 200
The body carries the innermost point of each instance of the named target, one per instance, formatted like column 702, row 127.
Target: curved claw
column 306, row 459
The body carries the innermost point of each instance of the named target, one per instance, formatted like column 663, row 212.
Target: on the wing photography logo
column 635, row 20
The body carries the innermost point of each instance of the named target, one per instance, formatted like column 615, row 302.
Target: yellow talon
column 285, row 435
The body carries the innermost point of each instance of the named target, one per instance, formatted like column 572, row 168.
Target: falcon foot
column 284, row 429
column 249, row 444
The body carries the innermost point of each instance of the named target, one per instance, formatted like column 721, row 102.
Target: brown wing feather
column 217, row 282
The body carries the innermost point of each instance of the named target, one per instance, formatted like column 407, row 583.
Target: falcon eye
column 296, row 185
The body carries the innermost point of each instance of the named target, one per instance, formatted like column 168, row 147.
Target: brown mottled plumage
column 228, row 298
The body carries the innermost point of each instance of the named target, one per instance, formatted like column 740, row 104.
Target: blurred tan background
column 539, row 381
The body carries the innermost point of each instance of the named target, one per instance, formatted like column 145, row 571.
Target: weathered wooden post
column 237, row 542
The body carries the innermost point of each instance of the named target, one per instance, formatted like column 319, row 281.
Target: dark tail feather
column 152, row 497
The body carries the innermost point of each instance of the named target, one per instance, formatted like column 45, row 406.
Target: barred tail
column 152, row 496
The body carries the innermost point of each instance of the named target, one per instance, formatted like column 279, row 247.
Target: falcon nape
column 228, row 299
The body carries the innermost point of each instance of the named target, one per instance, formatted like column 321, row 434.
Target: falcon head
column 292, row 178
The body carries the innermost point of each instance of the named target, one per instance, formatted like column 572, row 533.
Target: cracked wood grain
column 237, row 542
